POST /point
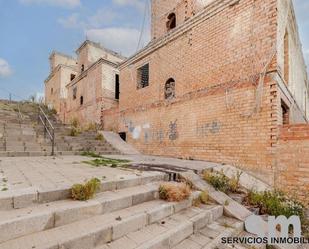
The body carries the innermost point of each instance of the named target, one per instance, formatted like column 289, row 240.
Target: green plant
column 218, row 180
column 4, row 189
column 90, row 154
column 204, row 197
column 234, row 184
column 84, row 192
column 276, row 203
column 102, row 161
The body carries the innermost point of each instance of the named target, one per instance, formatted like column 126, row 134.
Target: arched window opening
column 171, row 21
column 83, row 68
column 81, row 100
column 169, row 91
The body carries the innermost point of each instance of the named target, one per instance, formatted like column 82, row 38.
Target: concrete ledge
column 231, row 207
column 22, row 198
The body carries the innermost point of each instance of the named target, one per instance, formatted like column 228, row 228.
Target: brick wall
column 293, row 160
column 215, row 60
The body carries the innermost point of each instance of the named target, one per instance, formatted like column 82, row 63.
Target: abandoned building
column 80, row 89
column 222, row 81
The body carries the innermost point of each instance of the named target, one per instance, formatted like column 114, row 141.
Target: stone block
column 130, row 224
column 159, row 213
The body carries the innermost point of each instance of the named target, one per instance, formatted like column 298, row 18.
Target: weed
column 4, row 189
column 222, row 183
column 174, row 191
column 74, row 132
column 106, row 162
column 226, row 203
column 5, row 180
column 218, row 180
column 234, row 184
column 91, row 127
column 91, row 154
column 203, row 198
column 84, row 192
column 75, row 122
column 99, row 137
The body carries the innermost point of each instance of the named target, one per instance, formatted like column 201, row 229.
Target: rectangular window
column 74, row 92
column 117, row 86
column 143, row 76
column 285, row 113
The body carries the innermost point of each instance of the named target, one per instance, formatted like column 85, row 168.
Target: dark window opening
column 83, row 68
column 123, row 136
column 143, row 76
column 169, row 89
column 74, row 92
column 117, row 86
column 286, row 58
column 285, row 113
column 171, row 21
column 52, row 90
column 72, row 76
column 81, row 100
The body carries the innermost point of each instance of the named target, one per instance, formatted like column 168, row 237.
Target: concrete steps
column 169, row 231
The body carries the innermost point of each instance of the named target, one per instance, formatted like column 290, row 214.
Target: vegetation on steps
column 203, row 198
column 84, row 192
column 221, row 182
column 103, row 161
column 172, row 191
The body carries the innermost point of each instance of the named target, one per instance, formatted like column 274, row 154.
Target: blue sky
column 31, row 29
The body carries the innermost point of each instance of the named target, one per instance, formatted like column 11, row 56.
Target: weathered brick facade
column 292, row 165
column 226, row 108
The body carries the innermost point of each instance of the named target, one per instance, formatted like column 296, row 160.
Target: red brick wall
column 293, row 160
column 215, row 64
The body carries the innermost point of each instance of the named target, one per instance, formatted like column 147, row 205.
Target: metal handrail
column 48, row 128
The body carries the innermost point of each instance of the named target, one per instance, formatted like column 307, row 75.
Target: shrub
column 174, row 191
column 221, row 182
column 203, row 198
column 99, row 137
column 74, row 132
column 276, row 203
column 218, row 180
column 235, row 182
column 84, row 192
column 75, row 122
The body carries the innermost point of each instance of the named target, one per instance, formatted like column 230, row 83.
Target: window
column 117, row 86
column 81, row 100
column 169, row 89
column 171, row 21
column 74, row 92
column 143, row 76
column 52, row 90
column 286, row 58
column 72, row 76
column 83, row 68
column 123, row 136
column 285, row 113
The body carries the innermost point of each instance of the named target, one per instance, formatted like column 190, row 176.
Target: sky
column 31, row 29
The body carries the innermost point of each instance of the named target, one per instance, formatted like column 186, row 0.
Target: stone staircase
column 127, row 214
column 22, row 135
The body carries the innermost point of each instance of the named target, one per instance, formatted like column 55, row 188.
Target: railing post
column 45, row 127
column 53, row 142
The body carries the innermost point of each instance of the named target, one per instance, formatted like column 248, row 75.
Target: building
column 80, row 89
column 217, row 82
column 222, row 81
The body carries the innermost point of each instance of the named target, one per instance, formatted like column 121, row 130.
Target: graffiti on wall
column 206, row 129
column 173, row 133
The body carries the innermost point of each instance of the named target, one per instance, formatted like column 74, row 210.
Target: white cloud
column 61, row 3
column 102, row 17
column 139, row 4
column 71, row 21
column 122, row 40
column 5, row 69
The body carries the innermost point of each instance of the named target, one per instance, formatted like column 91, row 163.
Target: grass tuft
column 174, row 191
column 84, row 192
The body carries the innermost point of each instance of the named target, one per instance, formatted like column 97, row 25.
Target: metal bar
column 48, row 128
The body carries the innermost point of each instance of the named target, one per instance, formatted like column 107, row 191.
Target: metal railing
column 48, row 128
